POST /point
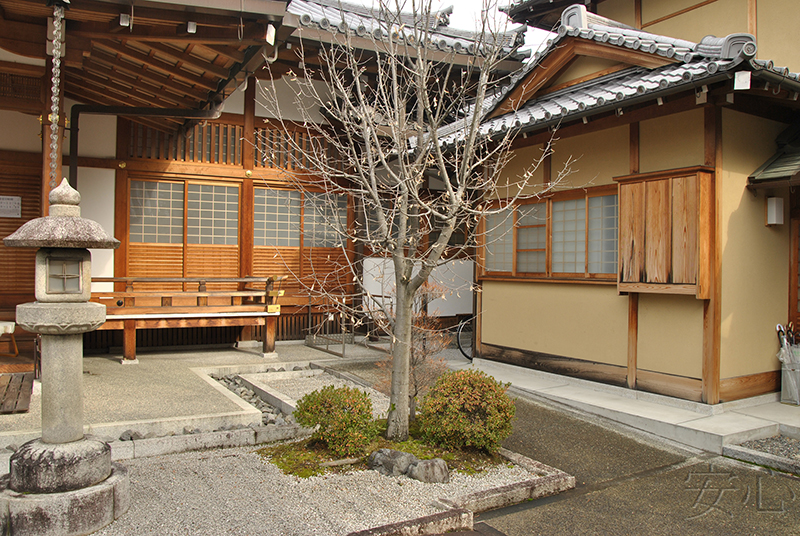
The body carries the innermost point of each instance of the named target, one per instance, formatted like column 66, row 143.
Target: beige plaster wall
column 618, row 10
column 592, row 159
column 581, row 321
column 672, row 141
column 718, row 18
column 581, row 67
column 755, row 258
column 670, row 335
column 520, row 162
column 776, row 32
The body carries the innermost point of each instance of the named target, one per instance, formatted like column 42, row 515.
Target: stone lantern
column 64, row 482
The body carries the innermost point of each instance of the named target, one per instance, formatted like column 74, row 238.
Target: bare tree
column 403, row 139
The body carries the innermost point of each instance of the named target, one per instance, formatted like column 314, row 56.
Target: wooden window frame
column 666, row 228
column 549, row 275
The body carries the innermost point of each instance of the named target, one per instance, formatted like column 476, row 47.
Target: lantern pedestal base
column 80, row 511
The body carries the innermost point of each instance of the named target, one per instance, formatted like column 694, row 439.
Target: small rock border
column 269, row 413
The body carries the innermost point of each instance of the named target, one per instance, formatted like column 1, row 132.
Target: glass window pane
column 569, row 236
column 324, row 220
column 154, row 206
column 499, row 242
column 272, row 206
column 217, row 218
column 603, row 218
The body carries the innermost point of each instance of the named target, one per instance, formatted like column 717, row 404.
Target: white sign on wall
column 10, row 206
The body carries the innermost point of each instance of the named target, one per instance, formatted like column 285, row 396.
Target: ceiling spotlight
column 191, row 27
column 124, row 20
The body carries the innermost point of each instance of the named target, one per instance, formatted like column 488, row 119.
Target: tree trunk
column 401, row 366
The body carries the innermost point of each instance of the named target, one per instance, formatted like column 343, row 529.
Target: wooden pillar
column 121, row 201
column 637, row 14
column 752, row 17
column 712, row 307
column 633, row 298
column 249, row 134
column 47, row 87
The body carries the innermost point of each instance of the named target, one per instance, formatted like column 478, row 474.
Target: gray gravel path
column 235, row 491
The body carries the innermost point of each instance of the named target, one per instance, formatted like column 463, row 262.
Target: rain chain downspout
column 58, row 18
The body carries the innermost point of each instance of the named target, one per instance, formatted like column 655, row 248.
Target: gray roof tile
column 363, row 21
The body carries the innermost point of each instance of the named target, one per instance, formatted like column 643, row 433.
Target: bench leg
column 270, row 327
column 15, row 349
column 129, row 341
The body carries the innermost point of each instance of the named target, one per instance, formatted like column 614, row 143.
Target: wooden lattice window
column 666, row 230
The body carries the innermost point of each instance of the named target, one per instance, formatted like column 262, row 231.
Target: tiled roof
column 363, row 21
column 785, row 163
column 696, row 64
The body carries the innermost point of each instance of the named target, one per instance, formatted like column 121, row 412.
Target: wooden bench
column 15, row 392
column 249, row 305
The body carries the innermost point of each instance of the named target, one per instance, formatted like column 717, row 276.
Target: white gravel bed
column 777, row 446
column 235, row 491
column 296, row 388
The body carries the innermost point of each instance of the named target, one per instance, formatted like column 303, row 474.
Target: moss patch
column 304, row 458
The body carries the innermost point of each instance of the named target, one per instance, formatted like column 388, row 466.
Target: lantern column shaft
column 62, row 388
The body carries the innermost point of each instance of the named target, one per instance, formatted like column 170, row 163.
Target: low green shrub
column 467, row 409
column 344, row 416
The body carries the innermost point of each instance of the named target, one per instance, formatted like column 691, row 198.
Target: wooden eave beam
column 621, row 54
column 21, row 105
column 253, row 34
column 549, row 68
column 151, row 77
column 89, row 97
column 155, row 63
column 188, row 59
column 140, row 84
column 133, row 91
column 21, row 69
column 557, row 61
column 231, row 53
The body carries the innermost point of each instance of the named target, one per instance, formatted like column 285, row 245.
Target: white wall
column 455, row 275
column 96, row 187
column 289, row 102
column 96, row 137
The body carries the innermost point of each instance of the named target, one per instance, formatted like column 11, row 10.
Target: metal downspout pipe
column 78, row 109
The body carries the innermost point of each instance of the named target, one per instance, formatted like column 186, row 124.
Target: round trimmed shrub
column 467, row 409
column 344, row 416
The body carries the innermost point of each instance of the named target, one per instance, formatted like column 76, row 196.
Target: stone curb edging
column 780, row 463
column 252, row 435
column 460, row 510
column 438, row 523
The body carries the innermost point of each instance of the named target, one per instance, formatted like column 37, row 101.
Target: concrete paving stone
column 620, row 405
column 510, row 374
column 734, row 427
column 776, row 412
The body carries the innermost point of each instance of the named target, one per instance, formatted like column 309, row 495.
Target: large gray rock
column 391, row 462
column 433, row 471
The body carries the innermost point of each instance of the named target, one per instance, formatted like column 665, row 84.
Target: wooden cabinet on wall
column 666, row 229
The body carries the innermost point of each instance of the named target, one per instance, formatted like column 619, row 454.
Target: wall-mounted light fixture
column 270, row 37
column 124, row 20
column 773, row 211
column 191, row 27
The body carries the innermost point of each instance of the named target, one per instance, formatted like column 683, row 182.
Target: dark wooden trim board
column 648, row 381
column 566, row 366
